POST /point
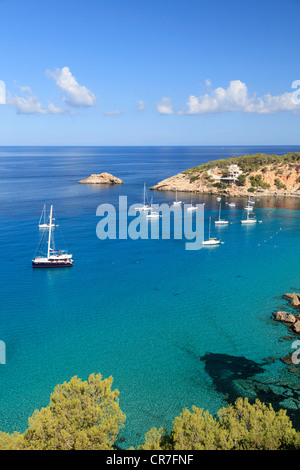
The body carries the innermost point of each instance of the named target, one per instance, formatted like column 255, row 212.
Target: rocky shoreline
column 290, row 320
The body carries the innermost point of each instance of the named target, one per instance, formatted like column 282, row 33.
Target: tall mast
column 144, row 194
column 50, row 228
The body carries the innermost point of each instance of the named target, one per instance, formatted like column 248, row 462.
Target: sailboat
column 249, row 206
column 221, row 221
column 42, row 221
column 249, row 220
column 191, row 207
column 152, row 214
column 211, row 241
column 144, row 207
column 54, row 258
column 176, row 203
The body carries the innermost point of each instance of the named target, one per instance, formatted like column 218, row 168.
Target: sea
column 175, row 328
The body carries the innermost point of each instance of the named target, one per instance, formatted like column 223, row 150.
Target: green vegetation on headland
column 249, row 163
column 238, row 176
column 85, row 415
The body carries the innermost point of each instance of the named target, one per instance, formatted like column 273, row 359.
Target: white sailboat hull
column 46, row 225
column 54, row 262
column 55, row 258
column 211, row 242
column 249, row 221
column 143, row 208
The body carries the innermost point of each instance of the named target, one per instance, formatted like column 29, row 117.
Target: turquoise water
column 147, row 312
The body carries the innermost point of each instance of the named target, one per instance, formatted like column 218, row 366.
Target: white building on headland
column 234, row 173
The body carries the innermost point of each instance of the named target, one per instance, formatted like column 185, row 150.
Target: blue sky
column 149, row 72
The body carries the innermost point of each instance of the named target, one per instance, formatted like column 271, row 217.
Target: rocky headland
column 102, row 178
column 259, row 174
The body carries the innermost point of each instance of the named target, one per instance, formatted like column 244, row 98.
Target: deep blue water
column 145, row 311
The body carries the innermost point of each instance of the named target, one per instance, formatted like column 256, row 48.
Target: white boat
column 249, row 208
column 221, row 221
column 42, row 221
column 53, row 258
column 249, row 220
column 152, row 215
column 218, row 199
column 177, row 203
column 211, row 241
column 231, row 204
column 144, row 207
column 191, row 207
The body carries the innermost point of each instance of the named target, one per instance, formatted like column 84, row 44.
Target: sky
column 149, row 72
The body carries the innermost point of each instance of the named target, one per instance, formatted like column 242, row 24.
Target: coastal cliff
column 102, row 178
column 239, row 176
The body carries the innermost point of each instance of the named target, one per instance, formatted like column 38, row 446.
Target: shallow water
column 147, row 312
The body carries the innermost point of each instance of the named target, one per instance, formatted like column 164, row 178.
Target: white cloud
column 236, row 98
column 269, row 104
column 52, row 109
column 76, row 95
column 113, row 113
column 207, row 82
column 30, row 103
column 164, row 106
column 141, row 105
column 2, row 92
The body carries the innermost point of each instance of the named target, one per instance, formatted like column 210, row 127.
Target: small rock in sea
column 296, row 326
column 269, row 360
column 287, row 360
column 285, row 338
column 102, row 178
column 284, row 317
column 293, row 298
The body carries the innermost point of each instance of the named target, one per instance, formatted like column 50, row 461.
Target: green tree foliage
column 241, row 180
column 279, row 184
column 80, row 415
column 157, row 439
column 242, row 426
column 85, row 415
column 257, row 427
column 196, row 430
column 13, row 441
